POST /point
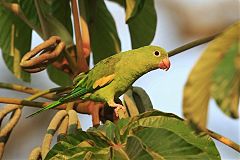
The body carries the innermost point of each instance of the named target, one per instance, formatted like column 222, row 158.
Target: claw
column 119, row 107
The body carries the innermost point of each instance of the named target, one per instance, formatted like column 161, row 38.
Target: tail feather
column 52, row 105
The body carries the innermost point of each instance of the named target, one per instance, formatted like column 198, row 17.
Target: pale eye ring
column 157, row 53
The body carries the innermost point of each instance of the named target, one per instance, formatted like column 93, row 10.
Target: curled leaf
column 137, row 101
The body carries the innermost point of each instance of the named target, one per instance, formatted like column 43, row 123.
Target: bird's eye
column 157, row 53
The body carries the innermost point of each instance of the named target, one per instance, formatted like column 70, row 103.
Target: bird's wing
column 101, row 75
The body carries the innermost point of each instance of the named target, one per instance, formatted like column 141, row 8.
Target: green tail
column 52, row 105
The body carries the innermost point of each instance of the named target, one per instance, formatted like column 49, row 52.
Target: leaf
column 197, row 89
column 61, row 10
column 58, row 76
column 29, row 11
column 142, row 25
column 226, row 82
column 119, row 2
column 57, row 22
column 55, row 19
column 133, row 7
column 136, row 150
column 152, row 135
column 15, row 41
column 137, row 101
column 103, row 33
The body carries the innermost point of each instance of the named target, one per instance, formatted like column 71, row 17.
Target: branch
column 81, row 107
column 224, row 140
column 192, row 44
column 30, row 90
column 80, row 58
column 26, row 102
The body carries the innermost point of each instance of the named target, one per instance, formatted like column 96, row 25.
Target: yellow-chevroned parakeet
column 111, row 77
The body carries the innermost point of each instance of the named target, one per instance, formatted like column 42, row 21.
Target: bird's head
column 155, row 56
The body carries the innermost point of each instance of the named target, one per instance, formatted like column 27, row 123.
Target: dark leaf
column 103, row 33
column 142, row 26
column 15, row 41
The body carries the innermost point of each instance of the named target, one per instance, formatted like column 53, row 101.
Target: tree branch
column 85, row 107
column 224, row 140
column 80, row 58
column 30, row 90
column 192, row 44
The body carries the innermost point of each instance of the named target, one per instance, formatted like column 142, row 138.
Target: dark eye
column 157, row 53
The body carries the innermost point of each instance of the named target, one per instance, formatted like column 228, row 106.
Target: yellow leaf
column 197, row 89
column 226, row 83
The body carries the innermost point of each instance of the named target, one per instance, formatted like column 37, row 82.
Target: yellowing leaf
column 197, row 88
column 226, row 82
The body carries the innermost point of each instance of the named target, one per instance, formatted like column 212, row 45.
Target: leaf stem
column 192, row 44
column 224, row 140
column 80, row 58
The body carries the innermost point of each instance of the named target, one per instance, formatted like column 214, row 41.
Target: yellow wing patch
column 103, row 81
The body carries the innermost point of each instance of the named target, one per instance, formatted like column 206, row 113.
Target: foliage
column 151, row 135
column 49, row 18
column 215, row 74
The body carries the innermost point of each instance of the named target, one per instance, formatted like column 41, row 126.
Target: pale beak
column 165, row 64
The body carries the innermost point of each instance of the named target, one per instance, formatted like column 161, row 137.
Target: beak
column 165, row 64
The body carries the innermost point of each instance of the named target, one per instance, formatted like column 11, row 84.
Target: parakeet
column 111, row 77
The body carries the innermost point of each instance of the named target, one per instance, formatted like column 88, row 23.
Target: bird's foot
column 120, row 111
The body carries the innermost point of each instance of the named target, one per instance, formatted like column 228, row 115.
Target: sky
column 164, row 88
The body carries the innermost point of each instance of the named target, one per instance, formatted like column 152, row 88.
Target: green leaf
column 137, row 101
column 120, row 2
column 15, row 41
column 61, row 10
column 103, row 33
column 197, row 89
column 133, row 7
column 58, row 76
column 136, row 150
column 226, row 82
column 152, row 135
column 29, row 11
column 55, row 19
column 142, row 25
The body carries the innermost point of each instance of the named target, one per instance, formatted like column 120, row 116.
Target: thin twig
column 192, row 44
column 26, row 102
column 80, row 58
column 224, row 140
column 30, row 90
column 87, row 107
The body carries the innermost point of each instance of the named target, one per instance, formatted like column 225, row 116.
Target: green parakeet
column 111, row 77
